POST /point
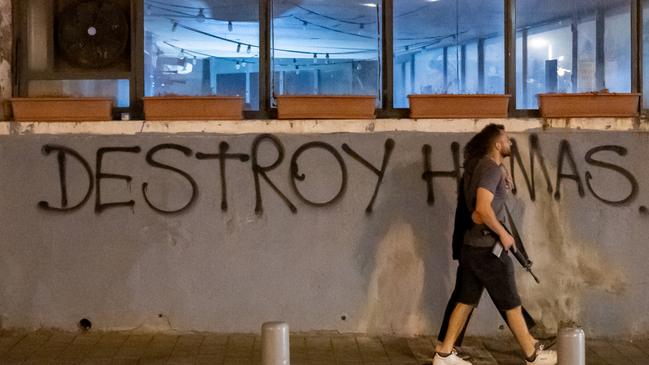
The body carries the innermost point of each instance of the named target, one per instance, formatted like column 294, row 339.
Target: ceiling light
column 201, row 16
column 538, row 42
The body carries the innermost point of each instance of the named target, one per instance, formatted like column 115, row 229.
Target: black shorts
column 480, row 269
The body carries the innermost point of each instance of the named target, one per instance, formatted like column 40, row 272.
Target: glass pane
column 586, row 67
column 494, row 59
column 39, row 42
column 119, row 90
column 645, row 52
column 428, row 74
column 456, row 45
column 326, row 48
column 572, row 46
column 202, row 48
column 617, row 50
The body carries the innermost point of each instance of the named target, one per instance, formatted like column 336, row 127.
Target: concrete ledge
column 317, row 126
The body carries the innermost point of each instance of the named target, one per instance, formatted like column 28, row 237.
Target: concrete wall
column 214, row 268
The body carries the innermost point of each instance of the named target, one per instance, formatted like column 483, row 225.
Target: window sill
column 318, row 126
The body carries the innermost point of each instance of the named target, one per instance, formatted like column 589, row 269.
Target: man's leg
column 452, row 303
column 519, row 329
column 456, row 323
column 529, row 321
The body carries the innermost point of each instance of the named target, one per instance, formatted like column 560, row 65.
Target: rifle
column 519, row 249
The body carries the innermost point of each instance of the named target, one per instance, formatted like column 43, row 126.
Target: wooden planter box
column 62, row 109
column 326, row 107
column 589, row 105
column 193, row 108
column 459, row 106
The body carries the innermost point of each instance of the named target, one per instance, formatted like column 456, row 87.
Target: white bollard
column 275, row 344
column 571, row 347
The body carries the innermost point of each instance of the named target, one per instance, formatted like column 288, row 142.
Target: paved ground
column 322, row 348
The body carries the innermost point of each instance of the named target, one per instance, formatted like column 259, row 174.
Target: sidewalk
column 319, row 348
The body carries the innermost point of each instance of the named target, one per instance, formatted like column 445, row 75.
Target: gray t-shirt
column 488, row 175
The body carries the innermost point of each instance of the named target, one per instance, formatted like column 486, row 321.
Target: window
column 460, row 52
column 65, row 53
column 207, row 50
column 571, row 46
column 645, row 52
column 326, row 47
column 316, row 47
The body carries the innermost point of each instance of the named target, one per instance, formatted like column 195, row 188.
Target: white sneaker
column 544, row 357
column 451, row 359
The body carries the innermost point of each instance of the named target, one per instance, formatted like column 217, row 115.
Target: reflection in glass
column 206, row 47
column 119, row 90
column 645, row 51
column 451, row 46
column 326, row 48
column 572, row 46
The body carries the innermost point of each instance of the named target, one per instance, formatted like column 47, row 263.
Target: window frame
column 21, row 75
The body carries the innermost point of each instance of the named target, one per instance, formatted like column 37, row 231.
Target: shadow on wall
column 567, row 266
column 405, row 255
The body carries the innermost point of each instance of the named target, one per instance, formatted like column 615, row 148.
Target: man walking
column 486, row 187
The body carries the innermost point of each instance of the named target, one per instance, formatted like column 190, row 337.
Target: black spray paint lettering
column 389, row 147
column 100, row 175
column 223, row 156
column 149, row 159
column 535, row 154
column 606, row 165
column 429, row 175
column 565, row 152
column 296, row 176
column 258, row 171
column 62, row 163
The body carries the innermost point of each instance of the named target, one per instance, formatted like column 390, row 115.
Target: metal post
column 636, row 49
column 510, row 53
column 481, row 64
column 571, row 347
column 600, row 71
column 575, row 54
column 445, row 69
column 275, row 344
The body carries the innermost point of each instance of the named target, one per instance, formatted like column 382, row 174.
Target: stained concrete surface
column 316, row 348
column 386, row 272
